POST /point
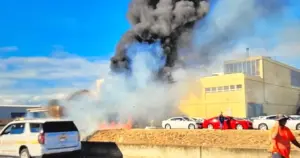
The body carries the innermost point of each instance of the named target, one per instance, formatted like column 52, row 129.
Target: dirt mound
column 208, row 138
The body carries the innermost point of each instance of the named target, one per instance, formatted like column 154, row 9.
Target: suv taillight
column 41, row 138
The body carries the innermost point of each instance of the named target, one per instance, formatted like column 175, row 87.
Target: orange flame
column 117, row 125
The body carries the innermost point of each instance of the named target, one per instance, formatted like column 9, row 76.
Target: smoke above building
column 229, row 26
column 164, row 21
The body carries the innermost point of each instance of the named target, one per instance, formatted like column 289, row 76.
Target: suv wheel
column 24, row 153
column 210, row 126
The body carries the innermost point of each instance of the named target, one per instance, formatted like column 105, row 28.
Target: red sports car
column 230, row 123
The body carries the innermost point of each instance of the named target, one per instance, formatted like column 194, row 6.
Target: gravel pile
column 253, row 139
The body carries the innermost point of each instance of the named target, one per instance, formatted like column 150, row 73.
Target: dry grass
column 254, row 139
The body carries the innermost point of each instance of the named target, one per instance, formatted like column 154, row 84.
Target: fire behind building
column 247, row 88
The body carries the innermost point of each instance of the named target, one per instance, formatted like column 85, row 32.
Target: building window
column 232, row 87
column 238, row 87
column 253, row 68
column 250, row 68
column 245, row 67
column 234, row 68
column 257, row 73
column 295, row 78
column 239, row 67
column 226, row 69
column 17, row 114
column 223, row 88
column 231, row 68
column 207, row 90
column 226, row 88
column 220, row 89
column 213, row 89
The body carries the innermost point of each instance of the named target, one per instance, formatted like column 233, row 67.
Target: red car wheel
column 210, row 126
column 239, row 127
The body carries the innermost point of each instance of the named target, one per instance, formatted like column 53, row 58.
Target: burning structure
column 166, row 21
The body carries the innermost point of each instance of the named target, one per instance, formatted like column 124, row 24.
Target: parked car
column 295, row 117
column 198, row 119
column 264, row 122
column 230, row 123
column 27, row 138
column 267, row 122
column 181, row 123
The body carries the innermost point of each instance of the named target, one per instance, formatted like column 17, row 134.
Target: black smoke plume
column 166, row 21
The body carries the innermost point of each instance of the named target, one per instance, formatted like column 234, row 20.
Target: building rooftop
column 29, row 106
column 270, row 59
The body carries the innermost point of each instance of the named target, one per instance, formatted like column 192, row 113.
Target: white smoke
column 138, row 96
column 142, row 98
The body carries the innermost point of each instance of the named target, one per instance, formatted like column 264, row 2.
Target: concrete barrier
column 144, row 151
column 111, row 150
column 100, row 150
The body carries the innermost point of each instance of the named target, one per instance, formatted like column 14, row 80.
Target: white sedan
column 198, row 119
column 267, row 122
column 295, row 117
column 180, row 123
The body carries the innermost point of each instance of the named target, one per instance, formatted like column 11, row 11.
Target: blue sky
column 89, row 28
column 50, row 48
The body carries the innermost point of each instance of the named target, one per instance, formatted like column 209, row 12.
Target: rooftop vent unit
column 217, row 74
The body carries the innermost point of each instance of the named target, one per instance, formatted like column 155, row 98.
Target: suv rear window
column 63, row 126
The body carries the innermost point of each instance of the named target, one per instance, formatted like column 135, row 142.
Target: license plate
column 62, row 138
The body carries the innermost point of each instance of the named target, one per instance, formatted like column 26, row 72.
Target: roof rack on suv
column 25, row 118
column 19, row 119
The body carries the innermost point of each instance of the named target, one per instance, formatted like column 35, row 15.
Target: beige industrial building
column 248, row 87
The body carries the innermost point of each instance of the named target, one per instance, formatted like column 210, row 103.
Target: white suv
column 40, row 137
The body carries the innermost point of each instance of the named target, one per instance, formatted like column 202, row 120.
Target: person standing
column 221, row 120
column 281, row 137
